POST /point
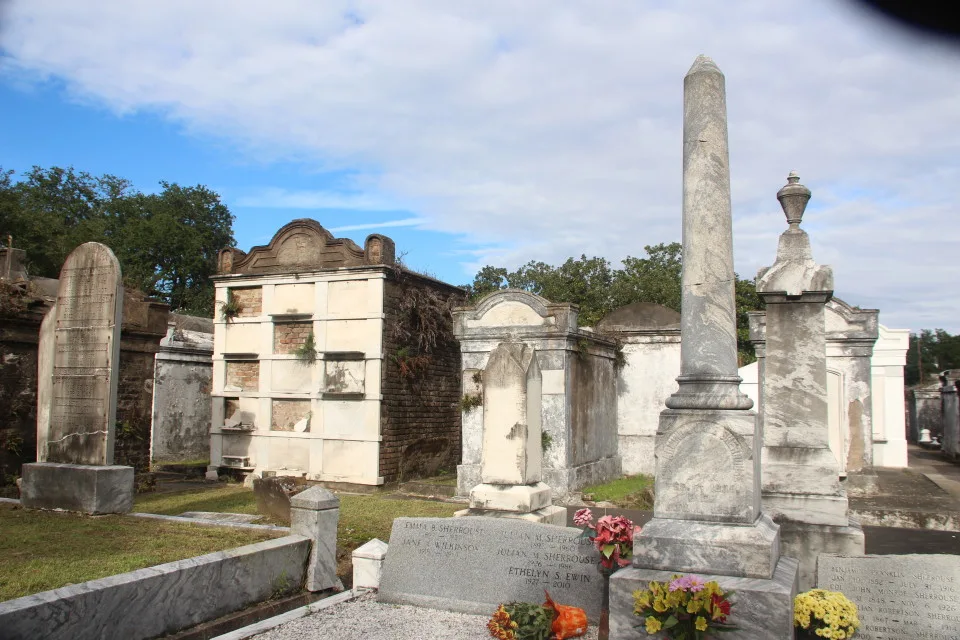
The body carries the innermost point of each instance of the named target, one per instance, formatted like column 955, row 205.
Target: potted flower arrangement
column 526, row 621
column 613, row 538
column 819, row 613
column 686, row 608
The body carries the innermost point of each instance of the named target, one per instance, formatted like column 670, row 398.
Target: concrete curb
column 271, row 623
column 213, row 523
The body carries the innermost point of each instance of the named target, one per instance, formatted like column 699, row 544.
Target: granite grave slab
column 473, row 564
column 898, row 596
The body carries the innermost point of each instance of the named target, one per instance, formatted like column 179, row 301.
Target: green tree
column 166, row 242
column 931, row 351
column 598, row 289
column 655, row 278
column 585, row 282
column 487, row 280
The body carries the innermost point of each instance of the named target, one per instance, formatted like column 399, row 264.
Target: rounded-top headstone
column 86, row 348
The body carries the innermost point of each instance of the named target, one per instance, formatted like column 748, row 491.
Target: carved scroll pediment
column 304, row 245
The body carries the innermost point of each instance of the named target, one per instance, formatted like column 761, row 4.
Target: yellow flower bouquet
column 825, row 614
column 685, row 608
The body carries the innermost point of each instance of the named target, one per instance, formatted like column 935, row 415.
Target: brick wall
column 288, row 336
column 135, row 400
column 250, row 300
column 286, row 413
column 420, row 413
column 244, row 374
column 139, row 342
column 18, row 394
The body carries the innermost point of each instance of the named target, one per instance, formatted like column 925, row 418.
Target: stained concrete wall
column 182, row 382
column 924, row 408
column 650, row 338
column 152, row 602
column 851, row 336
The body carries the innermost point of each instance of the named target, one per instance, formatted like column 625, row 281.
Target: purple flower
column 683, row 583
column 583, row 518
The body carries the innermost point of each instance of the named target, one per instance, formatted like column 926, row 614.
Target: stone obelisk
column 800, row 481
column 707, row 516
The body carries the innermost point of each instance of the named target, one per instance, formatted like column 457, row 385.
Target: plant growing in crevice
column 545, row 441
column 477, row 377
column 230, row 309
column 410, row 366
column 306, row 353
column 421, row 325
column 470, row 401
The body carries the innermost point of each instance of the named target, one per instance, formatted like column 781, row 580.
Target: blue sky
column 46, row 126
column 499, row 132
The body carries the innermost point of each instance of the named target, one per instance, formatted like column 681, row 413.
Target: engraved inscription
column 514, row 560
column 84, row 340
column 898, row 596
column 700, row 471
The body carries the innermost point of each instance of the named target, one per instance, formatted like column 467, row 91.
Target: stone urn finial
column 793, row 199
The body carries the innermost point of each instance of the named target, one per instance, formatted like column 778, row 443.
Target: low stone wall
column 158, row 600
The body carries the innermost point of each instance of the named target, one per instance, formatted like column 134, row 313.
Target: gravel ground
column 366, row 619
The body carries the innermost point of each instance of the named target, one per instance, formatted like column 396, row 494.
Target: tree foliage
column 930, row 352
column 598, row 288
column 166, row 242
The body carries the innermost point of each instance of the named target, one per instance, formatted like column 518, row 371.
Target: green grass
column 629, row 492
column 362, row 517
column 222, row 499
column 44, row 550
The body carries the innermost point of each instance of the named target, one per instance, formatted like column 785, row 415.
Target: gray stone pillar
column 707, row 517
column 800, row 480
column 314, row 513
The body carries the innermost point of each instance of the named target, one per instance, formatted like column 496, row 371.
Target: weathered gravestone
column 79, row 355
column 898, row 596
column 473, row 564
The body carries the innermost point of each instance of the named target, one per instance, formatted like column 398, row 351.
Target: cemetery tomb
column 315, row 371
column 578, row 411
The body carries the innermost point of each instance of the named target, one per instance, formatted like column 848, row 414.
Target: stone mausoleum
column 332, row 362
column 579, row 387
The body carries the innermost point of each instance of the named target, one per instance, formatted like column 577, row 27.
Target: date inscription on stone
column 472, row 564
column 898, row 596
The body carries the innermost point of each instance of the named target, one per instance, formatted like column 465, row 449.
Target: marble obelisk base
column 762, row 608
column 805, row 542
column 77, row 487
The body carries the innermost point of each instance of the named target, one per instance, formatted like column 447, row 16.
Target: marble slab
column 898, row 596
column 473, row 564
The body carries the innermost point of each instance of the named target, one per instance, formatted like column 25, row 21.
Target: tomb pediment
column 517, row 308
column 304, row 245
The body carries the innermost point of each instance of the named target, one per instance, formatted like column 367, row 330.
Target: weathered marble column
column 800, row 479
column 707, row 517
column 708, row 321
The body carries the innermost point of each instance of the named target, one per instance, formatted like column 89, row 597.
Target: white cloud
column 406, row 222
column 276, row 198
column 545, row 129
